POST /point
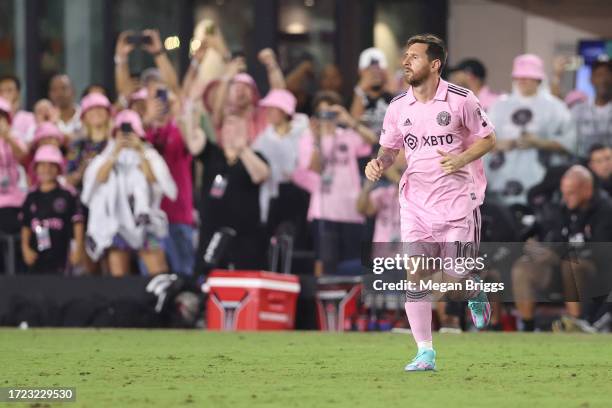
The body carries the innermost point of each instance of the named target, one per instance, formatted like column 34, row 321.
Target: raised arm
column 166, row 69
column 189, row 123
column 233, row 68
column 275, row 75
column 123, row 84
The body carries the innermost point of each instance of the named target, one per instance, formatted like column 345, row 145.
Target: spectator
column 94, row 88
column 472, row 74
column 12, row 151
column 585, row 216
column 534, row 132
column 96, row 122
column 600, row 164
column 328, row 169
column 123, row 188
column 381, row 201
column 280, row 200
column 370, row 98
column 46, row 134
column 331, row 79
column 238, row 95
column 300, row 81
column 594, row 119
column 51, row 216
column 23, row 121
column 44, row 111
column 164, row 134
column 151, row 78
column 138, row 102
column 61, row 94
column 231, row 179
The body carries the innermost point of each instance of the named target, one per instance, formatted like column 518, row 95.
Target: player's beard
column 417, row 78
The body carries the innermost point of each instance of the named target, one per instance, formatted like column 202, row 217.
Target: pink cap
column 49, row 154
column 245, row 78
column 5, row 107
column 48, row 129
column 281, row 99
column 574, row 97
column 139, row 95
column 94, row 100
column 131, row 117
column 528, row 66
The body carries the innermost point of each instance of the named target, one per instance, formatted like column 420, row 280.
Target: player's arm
column 376, row 167
column 453, row 162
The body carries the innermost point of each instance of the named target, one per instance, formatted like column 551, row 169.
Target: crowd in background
column 164, row 172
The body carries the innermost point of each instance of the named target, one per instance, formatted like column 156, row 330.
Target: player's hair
column 13, row 78
column 436, row 49
column 331, row 97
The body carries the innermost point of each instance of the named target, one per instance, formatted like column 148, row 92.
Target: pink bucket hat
column 245, row 78
column 139, row 95
column 131, row 117
column 5, row 107
column 49, row 154
column 48, row 129
column 94, row 100
column 528, row 66
column 281, row 99
column 574, row 97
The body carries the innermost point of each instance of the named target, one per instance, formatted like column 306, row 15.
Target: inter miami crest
column 410, row 140
column 443, row 118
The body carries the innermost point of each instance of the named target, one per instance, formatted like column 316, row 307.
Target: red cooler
column 251, row 300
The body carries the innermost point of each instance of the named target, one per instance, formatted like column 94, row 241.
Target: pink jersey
column 333, row 194
column 450, row 123
column 387, row 226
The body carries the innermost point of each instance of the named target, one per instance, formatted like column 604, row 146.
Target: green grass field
column 138, row 368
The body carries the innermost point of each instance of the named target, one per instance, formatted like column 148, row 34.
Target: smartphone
column 162, row 94
column 327, row 115
column 126, row 128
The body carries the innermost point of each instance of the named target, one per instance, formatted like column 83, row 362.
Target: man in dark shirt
column 230, row 198
column 579, row 228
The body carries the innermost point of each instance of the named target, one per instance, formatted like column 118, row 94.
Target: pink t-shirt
column 450, row 123
column 10, row 193
column 24, row 125
column 387, row 226
column 169, row 143
column 333, row 194
column 487, row 97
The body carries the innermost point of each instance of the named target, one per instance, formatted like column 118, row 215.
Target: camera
column 327, row 115
column 126, row 127
column 139, row 39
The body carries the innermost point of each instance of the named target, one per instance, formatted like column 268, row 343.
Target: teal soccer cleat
column 480, row 308
column 425, row 360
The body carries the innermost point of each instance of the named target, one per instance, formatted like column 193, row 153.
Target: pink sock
column 419, row 317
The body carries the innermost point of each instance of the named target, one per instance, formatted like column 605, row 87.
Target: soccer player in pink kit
column 444, row 132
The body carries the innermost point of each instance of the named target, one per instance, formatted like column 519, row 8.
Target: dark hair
column 473, row 66
column 436, row 49
column 599, row 64
column 596, row 147
column 331, row 97
column 10, row 77
column 87, row 90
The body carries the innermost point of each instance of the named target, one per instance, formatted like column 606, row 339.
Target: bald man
column 584, row 216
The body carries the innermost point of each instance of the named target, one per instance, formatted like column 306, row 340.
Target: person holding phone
column 328, row 169
column 123, row 188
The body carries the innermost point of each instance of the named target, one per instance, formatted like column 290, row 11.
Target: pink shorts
column 448, row 240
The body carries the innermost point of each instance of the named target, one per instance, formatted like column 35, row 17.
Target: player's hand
column 374, row 170
column 451, row 162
